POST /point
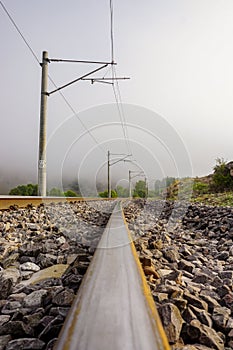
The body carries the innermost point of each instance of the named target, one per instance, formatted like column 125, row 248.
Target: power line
column 50, row 78
column 115, row 85
column 111, row 30
column 117, row 94
column 19, row 31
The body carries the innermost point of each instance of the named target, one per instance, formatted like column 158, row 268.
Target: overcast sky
column 177, row 106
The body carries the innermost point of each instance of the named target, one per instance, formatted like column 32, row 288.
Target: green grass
column 219, row 199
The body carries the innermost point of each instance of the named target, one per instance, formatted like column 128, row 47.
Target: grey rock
column 10, row 260
column 228, row 300
column 202, row 315
column 16, row 329
column 59, row 310
column 159, row 297
column 171, row 254
column 222, row 256
column 10, row 273
column 10, row 307
column 180, row 303
column 212, row 303
column 201, row 278
column 221, row 316
column 29, row 266
column 17, row 297
column 26, row 344
column 46, row 260
column 4, row 319
column 64, row 298
column 226, row 274
column 172, row 321
column 6, row 285
column 217, row 282
column 52, row 329
column 186, row 265
column 34, row 299
column 188, row 315
column 223, row 290
column 26, row 275
column 33, row 227
column 204, row 335
column 195, row 301
column 34, row 319
column 4, row 340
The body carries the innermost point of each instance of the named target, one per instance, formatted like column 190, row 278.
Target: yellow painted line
column 155, row 319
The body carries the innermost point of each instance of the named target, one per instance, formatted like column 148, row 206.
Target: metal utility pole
column 109, row 185
column 130, row 188
column 43, row 109
column 124, row 159
column 137, row 173
column 43, row 129
column 146, row 188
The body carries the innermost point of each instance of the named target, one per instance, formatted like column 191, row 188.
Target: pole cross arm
column 79, row 61
column 122, row 159
column 80, row 78
column 105, row 80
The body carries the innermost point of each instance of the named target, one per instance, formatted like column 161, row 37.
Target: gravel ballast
column 187, row 255
column 185, row 250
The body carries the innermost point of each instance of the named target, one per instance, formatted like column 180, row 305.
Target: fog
column 176, row 112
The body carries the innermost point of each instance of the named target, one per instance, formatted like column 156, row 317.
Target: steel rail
column 23, row 201
column 114, row 308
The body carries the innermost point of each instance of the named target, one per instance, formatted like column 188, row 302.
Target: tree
column 70, row 193
column 105, row 194
column 162, row 185
column 56, row 192
column 222, row 179
column 74, row 186
column 24, row 190
column 140, row 189
column 122, row 192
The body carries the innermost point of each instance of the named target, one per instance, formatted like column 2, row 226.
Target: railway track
column 114, row 308
column 21, row 202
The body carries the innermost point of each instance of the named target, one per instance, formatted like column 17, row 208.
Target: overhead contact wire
column 115, row 85
column 52, row 81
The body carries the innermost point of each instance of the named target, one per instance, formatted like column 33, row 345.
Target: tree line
column 221, row 180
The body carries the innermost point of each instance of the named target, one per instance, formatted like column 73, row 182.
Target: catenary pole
column 130, row 186
column 43, row 123
column 109, row 184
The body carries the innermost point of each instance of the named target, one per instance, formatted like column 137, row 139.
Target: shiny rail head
column 114, row 308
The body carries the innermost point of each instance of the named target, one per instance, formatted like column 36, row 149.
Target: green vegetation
column 140, row 189
column 200, row 187
column 56, row 192
column 222, row 179
column 105, row 194
column 70, row 193
column 214, row 189
column 24, row 190
column 162, row 185
column 73, row 186
column 31, row 190
column 122, row 192
column 215, row 199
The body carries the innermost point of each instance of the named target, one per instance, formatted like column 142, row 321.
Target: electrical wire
column 19, row 31
column 115, row 85
column 117, row 95
column 111, row 30
column 51, row 80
